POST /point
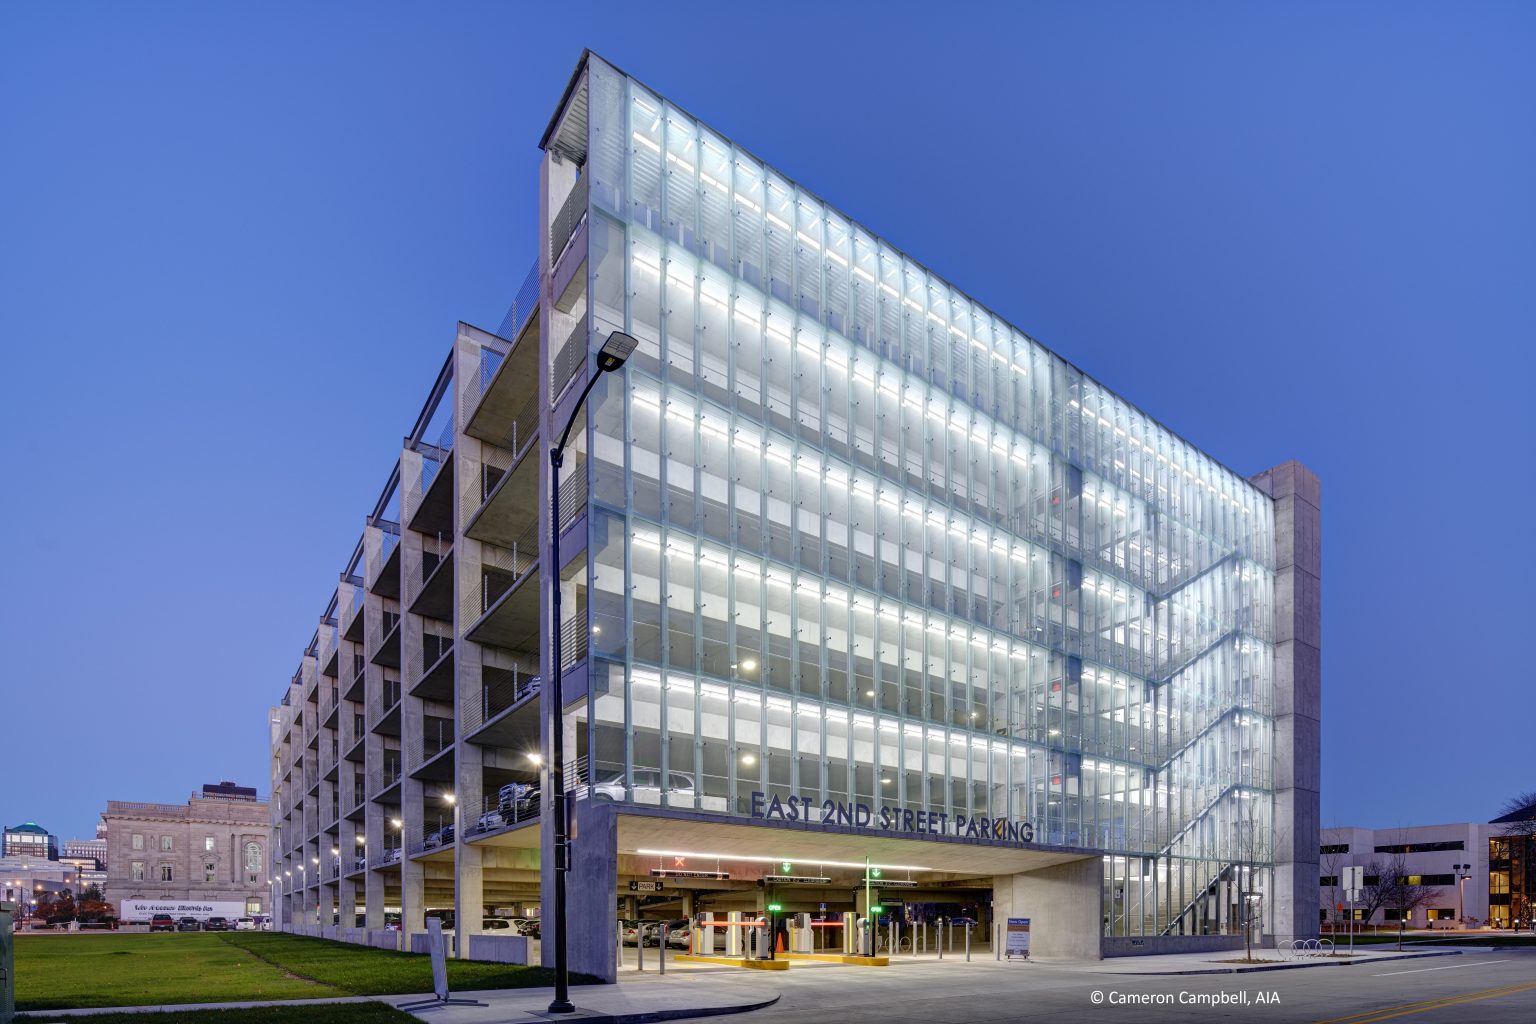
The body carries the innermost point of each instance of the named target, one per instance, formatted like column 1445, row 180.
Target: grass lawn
column 365, row 971
column 343, row 1013
column 67, row 971
column 1421, row 941
column 60, row 972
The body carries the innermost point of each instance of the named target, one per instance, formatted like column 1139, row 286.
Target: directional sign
column 645, row 886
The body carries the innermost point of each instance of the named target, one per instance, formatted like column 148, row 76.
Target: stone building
column 212, row 848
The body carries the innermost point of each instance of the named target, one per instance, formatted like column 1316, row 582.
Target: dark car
column 216, row 924
column 189, row 924
column 162, row 923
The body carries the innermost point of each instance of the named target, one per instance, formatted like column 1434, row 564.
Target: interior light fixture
column 752, row 859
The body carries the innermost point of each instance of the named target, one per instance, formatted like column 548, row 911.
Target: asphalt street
column 1477, row 986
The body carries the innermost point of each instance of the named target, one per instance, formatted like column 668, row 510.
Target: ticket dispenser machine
column 734, row 946
column 801, row 934
column 850, row 934
column 762, row 937
column 704, row 933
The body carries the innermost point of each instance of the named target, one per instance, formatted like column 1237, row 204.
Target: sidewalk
column 1210, row 963
column 680, row 996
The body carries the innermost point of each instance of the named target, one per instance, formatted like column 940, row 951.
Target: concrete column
column 690, row 900
column 590, row 891
column 469, row 873
column 1065, row 905
column 1297, row 494
column 412, row 896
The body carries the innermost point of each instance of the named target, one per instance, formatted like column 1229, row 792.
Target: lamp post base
column 562, row 1006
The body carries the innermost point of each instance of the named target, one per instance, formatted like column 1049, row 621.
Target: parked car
column 489, row 820
column 392, row 854
column 647, row 787
column 245, row 924
column 442, row 837
column 497, row 924
column 162, row 923
column 530, row 928
column 189, row 924
column 216, row 924
column 518, row 801
column 677, row 934
column 632, row 932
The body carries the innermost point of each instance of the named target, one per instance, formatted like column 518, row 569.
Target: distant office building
column 96, row 849
column 25, row 879
column 1512, row 869
column 1481, row 874
column 31, row 840
column 213, row 848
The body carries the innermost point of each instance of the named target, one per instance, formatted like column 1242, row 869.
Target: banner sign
column 1018, row 938
column 143, row 910
column 890, row 819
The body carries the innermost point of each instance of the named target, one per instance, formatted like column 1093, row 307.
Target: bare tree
column 1520, row 810
column 1332, row 865
column 1403, row 895
column 1253, row 850
column 1376, row 887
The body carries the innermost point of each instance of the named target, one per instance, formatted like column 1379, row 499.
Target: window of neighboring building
column 138, row 869
column 138, row 841
column 165, row 843
column 1422, row 847
column 1391, row 915
column 1442, row 914
column 1333, row 848
column 253, row 906
column 165, row 873
column 208, row 843
column 1327, row 881
column 210, row 871
column 253, row 862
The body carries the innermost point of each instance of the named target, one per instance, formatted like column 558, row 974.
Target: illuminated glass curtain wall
column 853, row 537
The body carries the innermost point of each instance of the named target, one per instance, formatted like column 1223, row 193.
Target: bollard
column 951, row 932
column 967, row 942
column 890, row 936
column 938, row 937
column 621, row 946
column 661, row 952
column 639, row 946
column 997, row 944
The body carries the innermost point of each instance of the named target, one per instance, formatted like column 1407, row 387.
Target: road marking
column 1388, row 1012
column 1452, row 967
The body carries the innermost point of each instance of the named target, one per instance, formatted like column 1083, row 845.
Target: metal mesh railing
column 569, row 358
column 523, row 307
column 390, row 540
column 572, row 212
column 500, row 689
column 437, row 736
column 501, row 568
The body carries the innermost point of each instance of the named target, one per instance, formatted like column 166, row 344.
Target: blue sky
column 235, row 239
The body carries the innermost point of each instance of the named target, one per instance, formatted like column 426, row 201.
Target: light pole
column 609, row 358
column 1461, row 871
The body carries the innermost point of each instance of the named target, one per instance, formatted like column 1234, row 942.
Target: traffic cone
column 780, row 947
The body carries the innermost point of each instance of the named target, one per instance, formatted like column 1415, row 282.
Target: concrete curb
column 585, row 1016
column 1285, row 966
column 98, row 1011
column 650, row 1016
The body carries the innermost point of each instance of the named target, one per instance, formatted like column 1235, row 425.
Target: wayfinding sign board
column 1017, row 942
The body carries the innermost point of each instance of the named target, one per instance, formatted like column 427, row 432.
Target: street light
column 610, row 357
column 1461, row 885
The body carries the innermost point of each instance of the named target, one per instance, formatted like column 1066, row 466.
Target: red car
column 162, row 923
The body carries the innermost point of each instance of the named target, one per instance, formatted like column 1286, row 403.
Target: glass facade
column 853, row 537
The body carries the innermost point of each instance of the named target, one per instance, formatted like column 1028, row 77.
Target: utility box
column 7, row 962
